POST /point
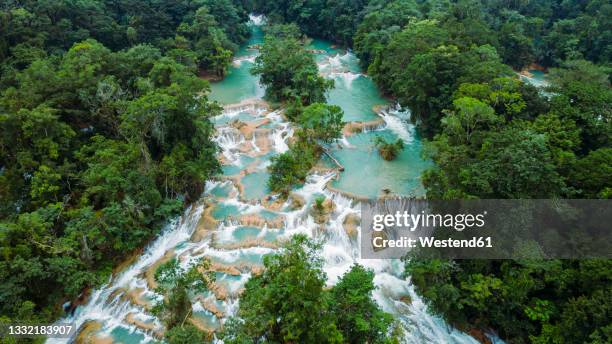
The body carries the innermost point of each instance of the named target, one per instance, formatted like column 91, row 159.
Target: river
column 236, row 222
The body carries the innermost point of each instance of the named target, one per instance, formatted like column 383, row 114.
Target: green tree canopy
column 322, row 122
column 288, row 71
column 288, row 302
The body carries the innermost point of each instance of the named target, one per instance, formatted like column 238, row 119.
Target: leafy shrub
column 388, row 150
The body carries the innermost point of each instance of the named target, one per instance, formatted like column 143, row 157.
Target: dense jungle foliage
column 492, row 136
column 104, row 135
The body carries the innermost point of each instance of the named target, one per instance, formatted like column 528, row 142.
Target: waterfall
column 254, row 144
column 280, row 137
column 257, row 20
column 397, row 121
column 236, row 62
column 340, row 252
column 247, row 230
column 229, row 141
column 109, row 304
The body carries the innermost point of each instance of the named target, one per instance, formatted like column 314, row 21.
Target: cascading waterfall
column 246, row 230
column 396, row 120
column 334, row 67
column 257, row 20
column 279, row 136
column 109, row 305
column 238, row 61
column 254, row 144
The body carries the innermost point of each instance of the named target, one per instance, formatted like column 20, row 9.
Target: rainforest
column 188, row 171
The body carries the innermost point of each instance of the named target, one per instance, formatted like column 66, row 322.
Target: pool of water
column 367, row 173
column 320, row 44
column 225, row 119
column 249, row 256
column 206, row 318
column 537, row 78
column 255, row 185
column 230, row 170
column 234, row 169
column 231, row 283
column 239, row 83
column 242, row 233
column 357, row 97
column 224, row 210
column 268, row 214
column 221, row 190
column 128, row 336
column 245, row 233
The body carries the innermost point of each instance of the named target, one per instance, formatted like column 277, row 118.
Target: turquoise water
column 537, row 74
column 255, row 185
column 123, row 335
column 207, row 319
column 224, row 210
column 239, row 83
column 268, row 215
column 226, row 279
column 367, row 173
column 245, row 233
column 320, row 44
column 224, row 120
column 538, row 78
column 221, row 190
column 356, row 98
column 230, row 170
column 242, row 257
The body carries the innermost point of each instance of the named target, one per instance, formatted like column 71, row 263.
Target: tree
column 287, row 301
column 186, row 334
column 322, row 122
column 210, row 43
column 358, row 316
column 512, row 164
column 291, row 168
column 388, row 150
column 98, row 150
column 230, row 17
column 471, row 116
column 288, row 71
column 423, row 66
column 593, row 174
column 516, row 47
column 582, row 93
column 379, row 24
column 175, row 283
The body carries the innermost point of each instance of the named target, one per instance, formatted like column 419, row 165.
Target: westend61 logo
column 486, row 229
column 412, row 222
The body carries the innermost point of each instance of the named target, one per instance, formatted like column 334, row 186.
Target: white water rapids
column 121, row 307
